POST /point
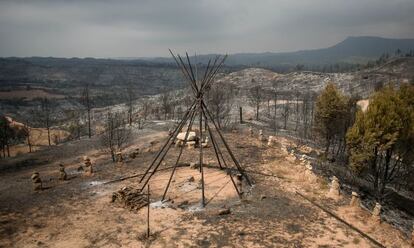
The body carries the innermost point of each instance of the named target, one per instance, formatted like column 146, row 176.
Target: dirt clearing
column 79, row 212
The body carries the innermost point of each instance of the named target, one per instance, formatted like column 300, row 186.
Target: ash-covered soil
column 79, row 212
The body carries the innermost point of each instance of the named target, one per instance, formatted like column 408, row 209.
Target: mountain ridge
column 353, row 49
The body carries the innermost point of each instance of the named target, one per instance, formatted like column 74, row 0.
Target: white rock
column 355, row 201
column 192, row 136
column 376, row 213
column 271, row 140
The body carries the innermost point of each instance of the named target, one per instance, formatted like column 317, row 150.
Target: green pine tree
column 330, row 115
column 381, row 141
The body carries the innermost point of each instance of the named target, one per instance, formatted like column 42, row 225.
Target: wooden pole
column 191, row 71
column 163, row 156
column 208, row 114
column 213, row 74
column 192, row 81
column 341, row 220
column 190, row 125
column 217, row 151
column 175, row 133
column 170, row 140
column 206, row 71
column 185, row 72
column 241, row 114
column 214, row 143
column 210, row 72
column 203, row 200
column 148, row 212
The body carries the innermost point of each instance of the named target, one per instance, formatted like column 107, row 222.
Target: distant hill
column 24, row 80
column 360, row 83
column 353, row 50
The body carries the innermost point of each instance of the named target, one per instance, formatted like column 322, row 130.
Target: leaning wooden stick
column 203, row 200
column 217, row 151
column 226, row 145
column 148, row 212
column 343, row 221
column 179, row 155
column 171, row 137
column 162, row 157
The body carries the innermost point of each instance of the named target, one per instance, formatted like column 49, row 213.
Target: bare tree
column 173, row 104
column 75, row 124
column 143, row 112
column 28, row 132
column 130, row 101
column 5, row 135
column 188, row 97
column 312, row 113
column 275, row 109
column 268, row 100
column 306, row 102
column 107, row 138
column 220, row 104
column 156, row 112
column 285, row 113
column 179, row 113
column 116, row 135
column 86, row 101
column 122, row 134
column 255, row 98
column 165, row 99
column 125, row 77
column 145, row 107
column 297, row 100
column 46, row 111
column 140, row 120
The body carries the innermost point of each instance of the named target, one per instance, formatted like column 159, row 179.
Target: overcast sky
column 92, row 28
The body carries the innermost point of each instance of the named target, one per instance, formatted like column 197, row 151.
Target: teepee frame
column 198, row 107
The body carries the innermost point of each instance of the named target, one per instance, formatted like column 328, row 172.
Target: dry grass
column 38, row 136
column 39, row 139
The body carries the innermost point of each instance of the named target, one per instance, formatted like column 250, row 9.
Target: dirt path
column 78, row 212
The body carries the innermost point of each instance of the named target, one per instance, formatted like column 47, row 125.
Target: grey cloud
column 149, row 27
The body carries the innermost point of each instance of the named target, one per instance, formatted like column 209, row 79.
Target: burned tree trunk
column 255, row 98
column 86, row 100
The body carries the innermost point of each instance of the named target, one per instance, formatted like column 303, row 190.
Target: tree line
column 378, row 143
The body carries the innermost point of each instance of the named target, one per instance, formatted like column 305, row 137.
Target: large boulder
column 192, row 136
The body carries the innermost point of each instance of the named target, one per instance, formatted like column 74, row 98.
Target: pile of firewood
column 130, row 198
